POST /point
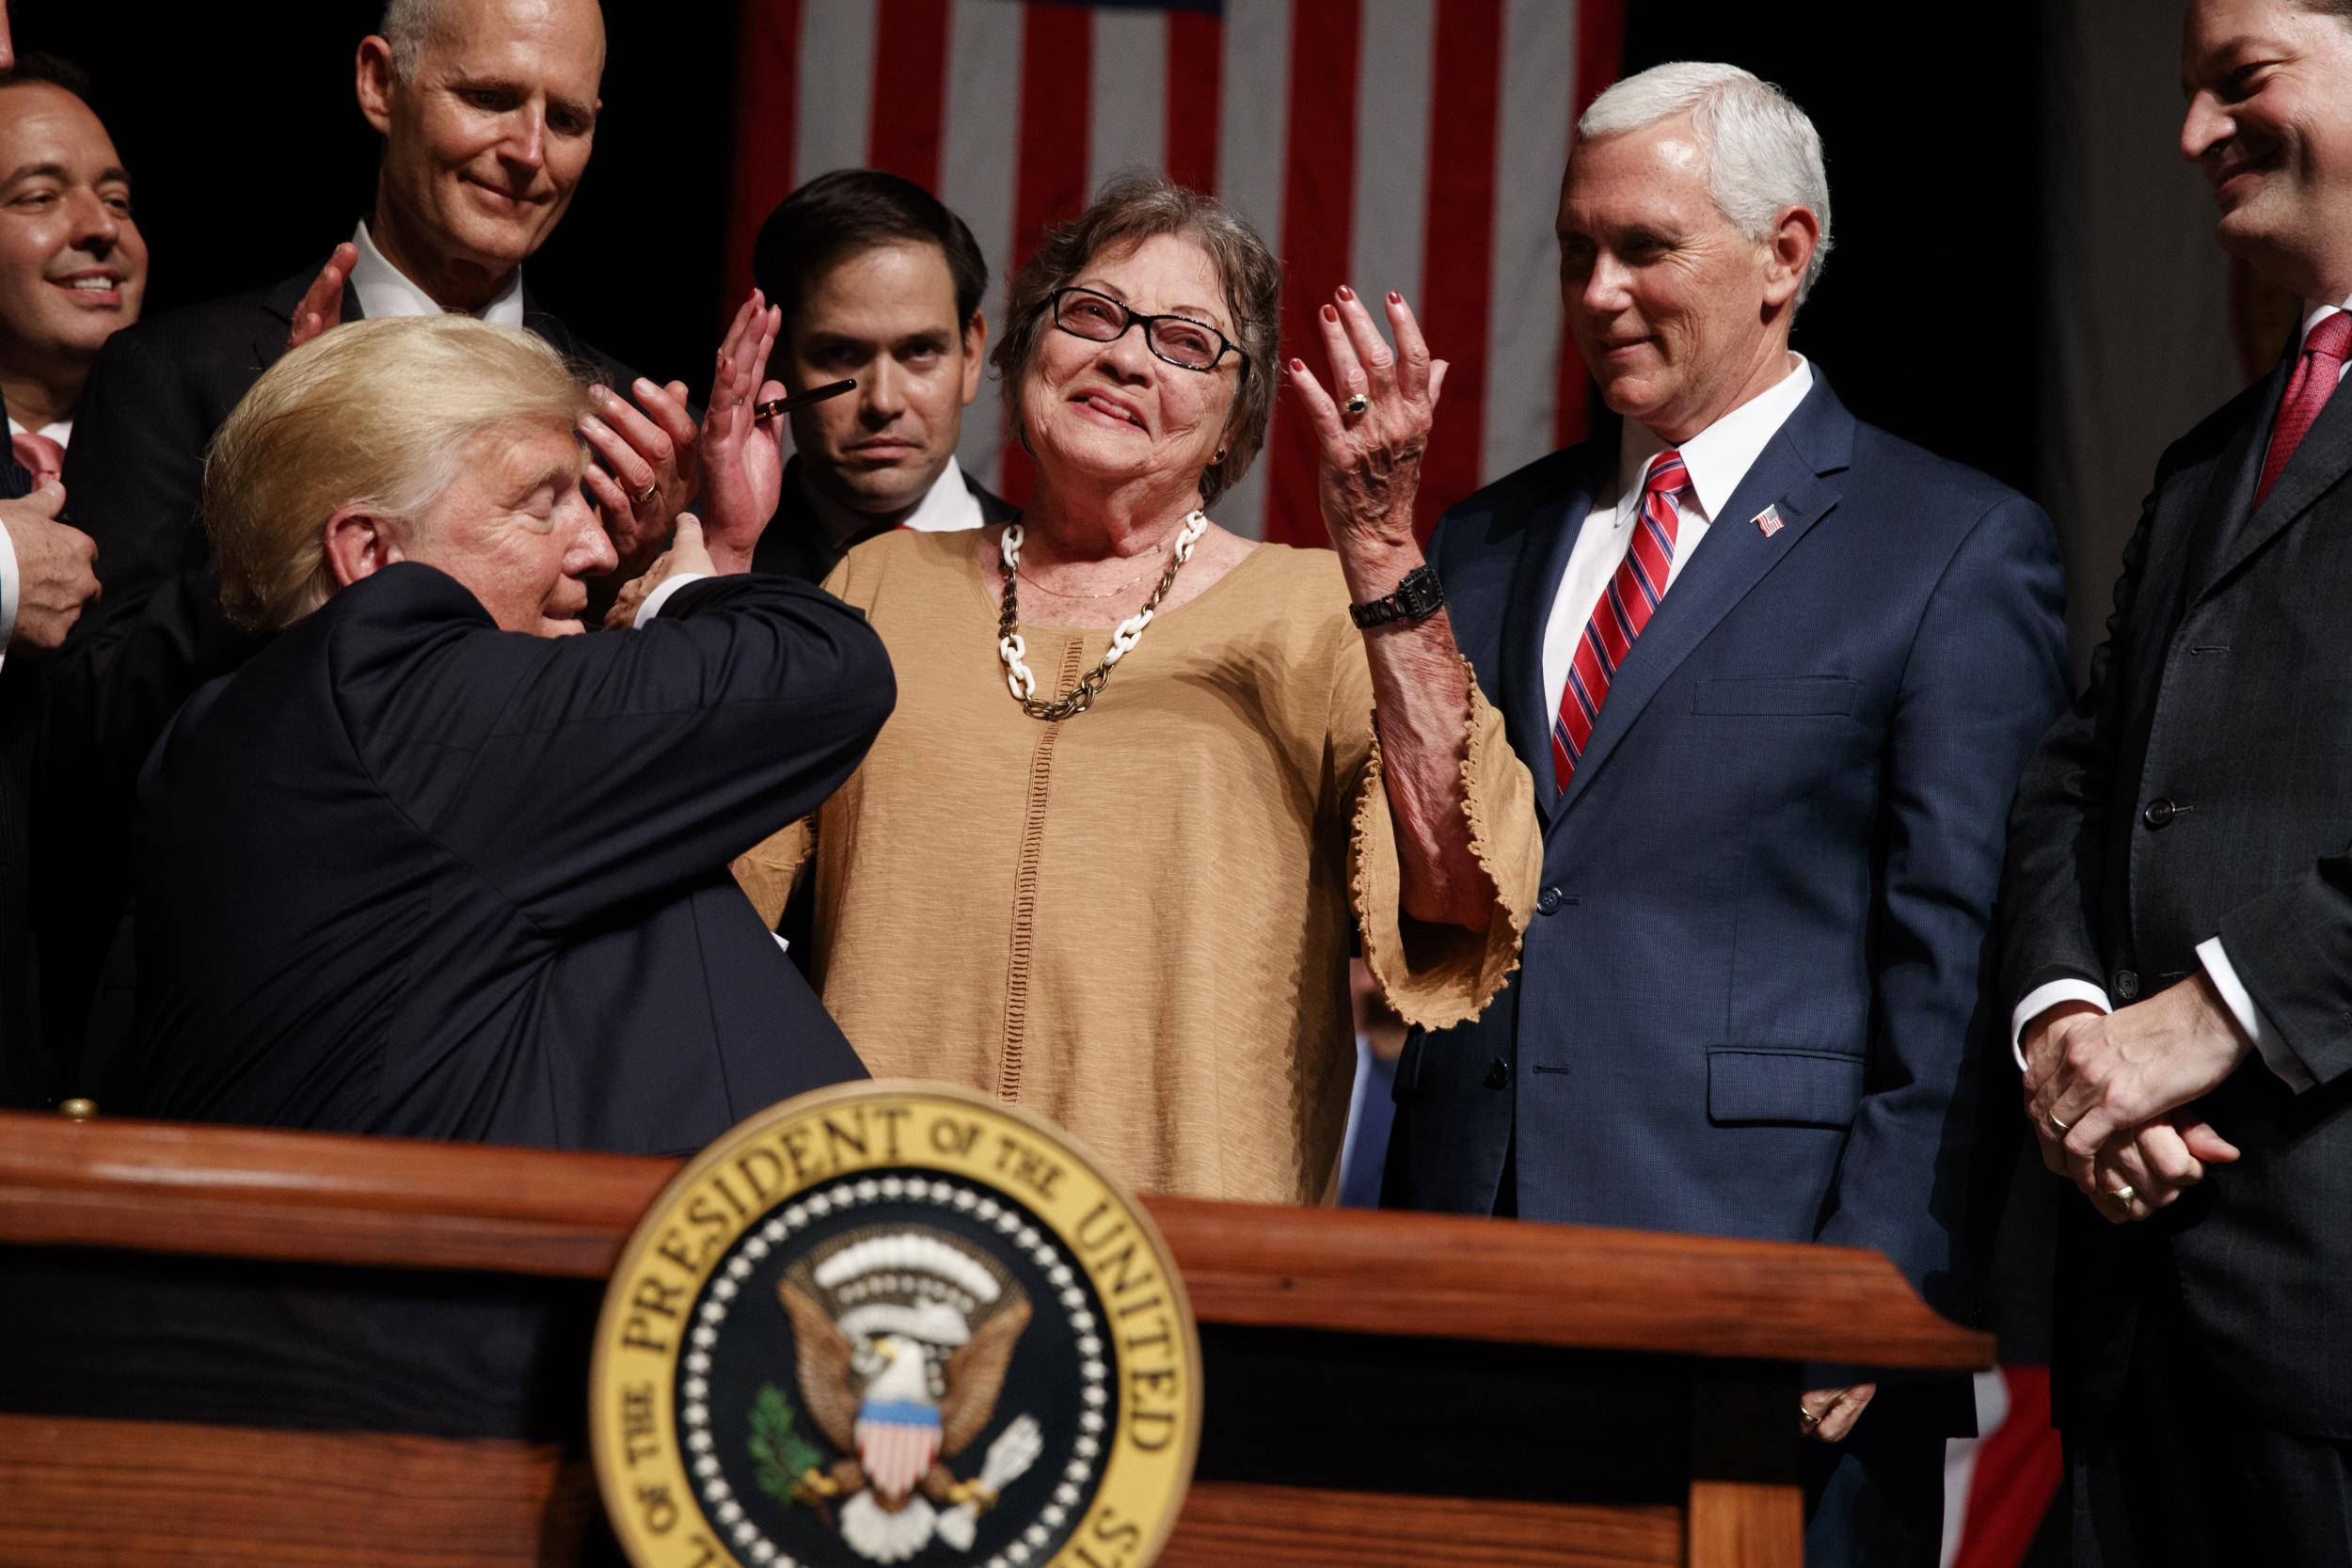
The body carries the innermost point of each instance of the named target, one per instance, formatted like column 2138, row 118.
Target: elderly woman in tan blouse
column 1146, row 777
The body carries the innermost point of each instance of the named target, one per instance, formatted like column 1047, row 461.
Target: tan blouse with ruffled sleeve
column 1136, row 922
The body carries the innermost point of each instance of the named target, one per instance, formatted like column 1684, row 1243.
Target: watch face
column 1420, row 594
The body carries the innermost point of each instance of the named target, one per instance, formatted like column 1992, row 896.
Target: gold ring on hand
column 1356, row 404
column 2060, row 1128
column 646, row 494
column 2123, row 1195
column 1810, row 1419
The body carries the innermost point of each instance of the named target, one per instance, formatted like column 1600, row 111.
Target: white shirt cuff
column 659, row 596
column 2040, row 999
column 2240, row 1002
column 7, row 591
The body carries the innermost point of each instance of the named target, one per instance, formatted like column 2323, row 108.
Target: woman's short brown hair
column 381, row 413
column 1132, row 209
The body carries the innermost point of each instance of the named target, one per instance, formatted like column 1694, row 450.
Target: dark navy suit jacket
column 406, row 873
column 1749, row 1004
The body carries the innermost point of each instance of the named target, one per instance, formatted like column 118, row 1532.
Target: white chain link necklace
column 1014, row 651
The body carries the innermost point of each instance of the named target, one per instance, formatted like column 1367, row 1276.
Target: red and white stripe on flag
column 1413, row 145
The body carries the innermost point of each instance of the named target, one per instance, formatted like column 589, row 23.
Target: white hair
column 409, row 26
column 1763, row 153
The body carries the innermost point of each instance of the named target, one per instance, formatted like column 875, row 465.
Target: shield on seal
column 896, row 1441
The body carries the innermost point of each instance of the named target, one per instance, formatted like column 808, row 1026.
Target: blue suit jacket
column 1749, row 1004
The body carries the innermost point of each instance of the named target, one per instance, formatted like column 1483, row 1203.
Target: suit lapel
column 2223, row 518
column 2320, row 461
column 1543, row 549
column 1790, row 475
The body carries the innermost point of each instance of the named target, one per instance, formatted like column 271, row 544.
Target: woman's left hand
column 1370, row 468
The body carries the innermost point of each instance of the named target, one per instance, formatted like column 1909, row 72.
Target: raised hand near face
column 1373, row 427
column 742, row 463
column 647, row 465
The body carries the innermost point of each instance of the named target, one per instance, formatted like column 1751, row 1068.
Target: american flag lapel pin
column 1767, row 521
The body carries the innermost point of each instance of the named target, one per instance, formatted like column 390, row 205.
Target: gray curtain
column 2135, row 342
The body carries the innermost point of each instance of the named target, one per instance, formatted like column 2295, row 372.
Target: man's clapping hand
column 55, row 568
column 322, row 304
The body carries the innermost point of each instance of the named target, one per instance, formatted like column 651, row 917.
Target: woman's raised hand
column 742, row 461
column 1370, row 468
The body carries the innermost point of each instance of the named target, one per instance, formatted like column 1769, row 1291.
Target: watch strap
column 1417, row 598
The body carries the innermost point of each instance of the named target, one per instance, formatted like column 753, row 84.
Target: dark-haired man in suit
column 1776, row 673
column 487, row 110
column 2180, row 899
column 73, row 271
column 880, row 283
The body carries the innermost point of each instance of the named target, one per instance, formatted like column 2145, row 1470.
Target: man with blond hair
column 487, row 112
column 1776, row 673
column 428, row 864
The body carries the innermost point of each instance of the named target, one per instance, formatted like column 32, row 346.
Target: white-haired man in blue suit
column 1776, row 673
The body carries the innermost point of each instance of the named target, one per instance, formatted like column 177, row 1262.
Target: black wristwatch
column 1417, row 598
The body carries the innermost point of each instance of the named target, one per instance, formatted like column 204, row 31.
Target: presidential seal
column 894, row 1323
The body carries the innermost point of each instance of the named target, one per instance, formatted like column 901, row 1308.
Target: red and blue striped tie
column 1624, row 608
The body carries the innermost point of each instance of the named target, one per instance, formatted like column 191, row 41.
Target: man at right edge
column 2178, row 899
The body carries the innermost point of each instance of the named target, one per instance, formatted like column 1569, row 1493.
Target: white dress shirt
column 1718, row 457
column 946, row 506
column 385, row 291
column 2267, row 1043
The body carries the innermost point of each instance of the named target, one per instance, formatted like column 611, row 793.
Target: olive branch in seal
column 779, row 1453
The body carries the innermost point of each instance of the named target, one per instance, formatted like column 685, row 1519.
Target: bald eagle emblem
column 902, row 1336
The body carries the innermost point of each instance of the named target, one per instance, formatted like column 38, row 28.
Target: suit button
column 2126, row 983
column 2159, row 812
column 1498, row 1074
column 1548, row 901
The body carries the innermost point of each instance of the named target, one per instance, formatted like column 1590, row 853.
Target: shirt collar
column 1720, row 456
column 61, row 431
column 948, row 505
column 385, row 291
column 2315, row 311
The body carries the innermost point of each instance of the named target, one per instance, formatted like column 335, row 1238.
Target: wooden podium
column 1382, row 1388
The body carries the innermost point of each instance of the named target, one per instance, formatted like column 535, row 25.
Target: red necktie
column 1624, row 608
column 2315, row 376
column 41, row 457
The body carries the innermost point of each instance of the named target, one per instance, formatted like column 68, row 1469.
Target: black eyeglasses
column 1178, row 340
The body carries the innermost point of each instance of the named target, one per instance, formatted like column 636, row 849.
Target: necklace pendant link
column 1010, row 648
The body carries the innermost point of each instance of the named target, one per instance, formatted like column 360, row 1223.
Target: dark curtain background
column 251, row 161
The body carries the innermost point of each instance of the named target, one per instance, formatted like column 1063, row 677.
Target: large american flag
column 1413, row 145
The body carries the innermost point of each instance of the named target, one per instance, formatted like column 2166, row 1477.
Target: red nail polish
column 1300, row 366
column 1329, row 314
column 1346, row 293
column 1396, row 298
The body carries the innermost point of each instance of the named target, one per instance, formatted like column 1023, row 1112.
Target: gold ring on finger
column 646, row 494
column 1355, row 404
column 1810, row 1419
column 2060, row 1128
column 2123, row 1195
